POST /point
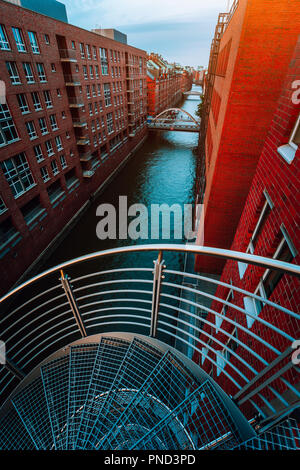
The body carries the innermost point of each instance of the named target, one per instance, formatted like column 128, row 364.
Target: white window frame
column 288, row 151
column 23, row 103
column 4, row 42
column 31, row 130
column 19, row 39
column 250, row 249
column 218, row 319
column 34, row 42
column 13, row 72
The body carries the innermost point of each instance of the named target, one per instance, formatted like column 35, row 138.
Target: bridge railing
column 82, row 297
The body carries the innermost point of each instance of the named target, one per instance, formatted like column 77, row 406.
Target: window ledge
column 287, row 152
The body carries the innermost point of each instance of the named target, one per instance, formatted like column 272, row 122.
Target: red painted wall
column 261, row 37
column 281, row 181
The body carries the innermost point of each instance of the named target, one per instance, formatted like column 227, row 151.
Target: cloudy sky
column 180, row 30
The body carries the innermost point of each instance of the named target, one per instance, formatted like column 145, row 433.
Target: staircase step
column 161, row 381
column 55, row 377
column 82, row 359
column 13, row 434
column 139, row 361
column 109, row 357
column 31, row 407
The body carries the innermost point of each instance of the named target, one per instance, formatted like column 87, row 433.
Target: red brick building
column 75, row 108
column 269, row 226
column 165, row 84
column 250, row 53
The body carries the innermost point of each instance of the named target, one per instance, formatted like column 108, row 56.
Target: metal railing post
column 157, row 278
column 64, row 279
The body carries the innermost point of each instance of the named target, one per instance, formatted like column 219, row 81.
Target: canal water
column 161, row 171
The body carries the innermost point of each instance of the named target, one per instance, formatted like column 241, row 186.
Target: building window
column 73, row 45
column 47, row 98
column 58, row 143
column 71, row 178
column 38, row 153
column 95, row 52
column 28, row 72
column 103, row 60
column 53, row 122
column 97, row 71
column 54, row 167
column 267, row 207
column 4, row 44
column 13, row 73
column 63, row 161
column 88, row 51
column 288, row 151
column 49, row 148
column 88, row 91
column 91, row 72
column 55, row 191
column 32, row 210
column 53, row 67
column 47, row 39
column 224, row 310
column 41, row 72
column 43, row 126
column 22, row 100
column 85, row 72
column 33, row 42
column 107, row 95
column 7, row 231
column 58, row 92
column 8, row 133
column 31, row 130
column 2, row 206
column 19, row 39
column 36, row 101
column 82, row 50
column 285, row 252
column 17, row 173
column 110, row 125
column 45, row 174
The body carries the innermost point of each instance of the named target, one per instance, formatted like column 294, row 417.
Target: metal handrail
column 194, row 249
column 41, row 322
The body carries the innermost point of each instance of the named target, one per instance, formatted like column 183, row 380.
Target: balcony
column 84, row 140
column 86, row 157
column 81, row 123
column 67, row 55
column 88, row 173
column 147, row 322
column 76, row 102
column 72, row 80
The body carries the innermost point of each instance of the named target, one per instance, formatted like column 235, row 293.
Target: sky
column 179, row 30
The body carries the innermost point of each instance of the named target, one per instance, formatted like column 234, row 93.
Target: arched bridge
column 174, row 119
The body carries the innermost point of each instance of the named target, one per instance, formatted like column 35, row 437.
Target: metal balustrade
column 81, row 298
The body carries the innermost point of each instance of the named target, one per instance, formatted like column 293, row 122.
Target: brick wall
column 262, row 36
column 86, row 166
column 280, row 180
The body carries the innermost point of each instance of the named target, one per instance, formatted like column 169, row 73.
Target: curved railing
column 51, row 310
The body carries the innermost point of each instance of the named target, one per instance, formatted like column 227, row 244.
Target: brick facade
column 254, row 53
column 100, row 108
column 277, row 179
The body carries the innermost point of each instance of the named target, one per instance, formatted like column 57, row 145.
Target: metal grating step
column 55, row 376
column 82, row 359
column 31, row 406
column 109, row 357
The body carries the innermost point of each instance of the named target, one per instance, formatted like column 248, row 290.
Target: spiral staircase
column 120, row 390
